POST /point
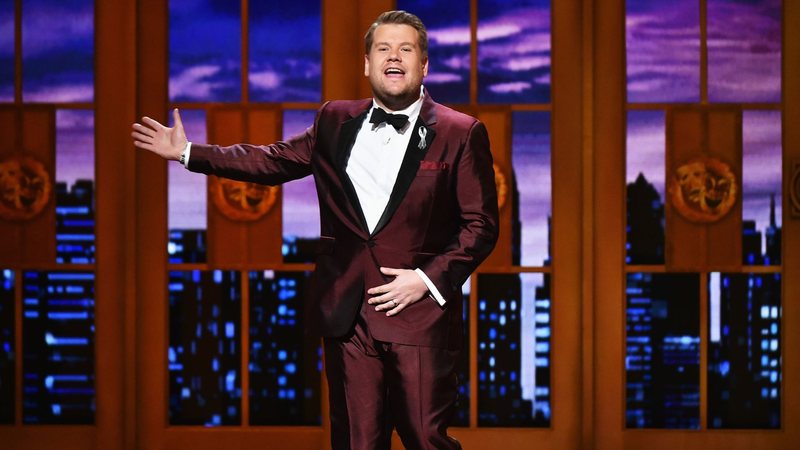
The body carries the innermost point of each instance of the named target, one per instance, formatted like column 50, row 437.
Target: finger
column 144, row 146
column 382, row 289
column 176, row 116
column 391, row 271
column 154, row 124
column 396, row 310
column 388, row 306
column 143, row 129
column 142, row 137
column 387, row 297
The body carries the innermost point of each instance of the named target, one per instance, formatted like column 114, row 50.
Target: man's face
column 395, row 66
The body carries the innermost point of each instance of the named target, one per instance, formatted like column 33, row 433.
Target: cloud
column 60, row 94
column 450, row 36
column 508, row 88
column 441, row 78
column 194, row 83
column 527, row 63
column 266, row 79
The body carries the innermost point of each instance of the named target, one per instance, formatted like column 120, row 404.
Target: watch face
column 25, row 188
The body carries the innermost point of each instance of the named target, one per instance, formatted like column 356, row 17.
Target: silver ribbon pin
column 422, row 133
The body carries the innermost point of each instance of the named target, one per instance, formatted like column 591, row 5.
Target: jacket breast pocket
column 431, row 168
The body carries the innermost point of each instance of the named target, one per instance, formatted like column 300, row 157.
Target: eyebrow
column 402, row 43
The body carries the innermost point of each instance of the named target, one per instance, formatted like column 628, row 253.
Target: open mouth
column 394, row 72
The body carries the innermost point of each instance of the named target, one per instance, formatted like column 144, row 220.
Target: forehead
column 395, row 33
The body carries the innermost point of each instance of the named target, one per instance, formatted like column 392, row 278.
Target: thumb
column 176, row 116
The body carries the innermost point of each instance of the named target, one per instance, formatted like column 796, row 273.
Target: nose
column 394, row 55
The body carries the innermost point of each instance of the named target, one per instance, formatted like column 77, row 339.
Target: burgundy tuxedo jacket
column 441, row 216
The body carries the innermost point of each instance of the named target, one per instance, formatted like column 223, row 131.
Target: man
column 408, row 210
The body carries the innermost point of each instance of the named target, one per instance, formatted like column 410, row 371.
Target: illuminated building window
column 662, row 357
column 204, row 351
column 7, row 342
column 514, row 350
column 514, row 51
column 285, row 361
column 58, row 347
column 744, row 355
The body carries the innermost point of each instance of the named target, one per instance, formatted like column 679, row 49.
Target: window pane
column 205, row 51
column 58, row 50
column 285, row 51
column 663, row 50
column 645, row 154
column 204, row 351
column 514, row 51
column 300, row 203
column 7, row 316
column 514, row 350
column 662, row 360
column 187, row 199
column 58, row 348
column 6, row 50
column 744, row 354
column 285, row 363
column 744, row 50
column 461, row 415
column 531, row 203
column 75, row 239
column 761, row 187
column 448, row 47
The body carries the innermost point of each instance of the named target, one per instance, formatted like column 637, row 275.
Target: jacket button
column 370, row 243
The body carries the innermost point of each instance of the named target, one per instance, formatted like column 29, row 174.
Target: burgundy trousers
column 376, row 386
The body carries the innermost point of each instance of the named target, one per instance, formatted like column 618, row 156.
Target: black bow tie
column 379, row 116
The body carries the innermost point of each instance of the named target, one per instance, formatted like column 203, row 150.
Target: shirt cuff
column 187, row 151
column 431, row 287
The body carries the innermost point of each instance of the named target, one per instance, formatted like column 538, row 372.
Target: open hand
column 406, row 289
column 163, row 141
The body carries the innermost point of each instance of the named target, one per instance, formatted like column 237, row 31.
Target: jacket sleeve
column 264, row 164
column 476, row 201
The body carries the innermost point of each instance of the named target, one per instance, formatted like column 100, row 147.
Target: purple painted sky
column 6, row 50
column 744, row 51
column 530, row 157
column 663, row 50
column 58, row 34
column 300, row 204
column 74, row 145
column 448, row 47
column 285, row 51
column 186, row 191
column 514, row 51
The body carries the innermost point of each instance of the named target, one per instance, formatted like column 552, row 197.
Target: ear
column 425, row 67
column 366, row 65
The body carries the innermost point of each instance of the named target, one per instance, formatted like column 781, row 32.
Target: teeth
column 394, row 71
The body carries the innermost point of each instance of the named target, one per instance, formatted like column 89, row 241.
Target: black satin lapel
column 347, row 137
column 408, row 170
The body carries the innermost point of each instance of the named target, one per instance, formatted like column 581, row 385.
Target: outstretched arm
column 165, row 142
